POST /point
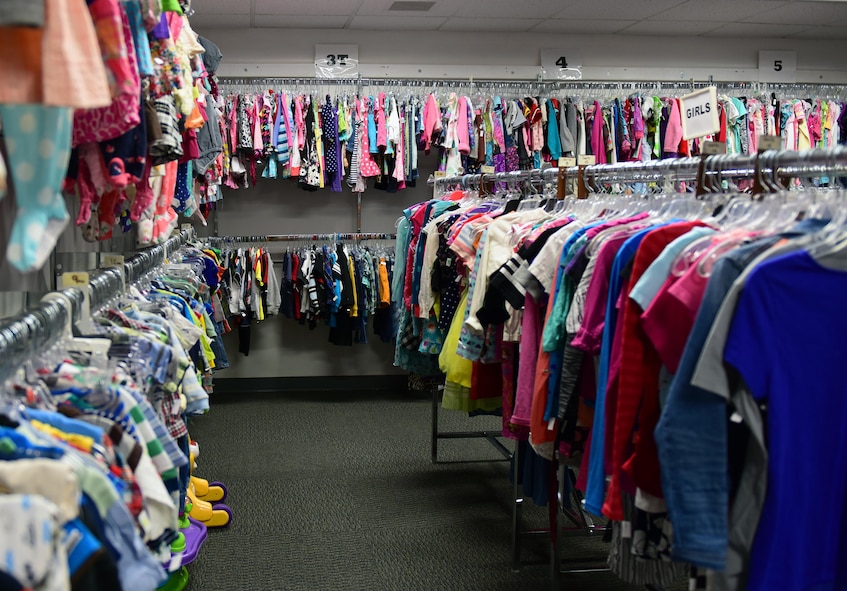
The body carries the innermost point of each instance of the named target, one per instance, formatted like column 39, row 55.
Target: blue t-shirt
column 787, row 342
column 595, row 490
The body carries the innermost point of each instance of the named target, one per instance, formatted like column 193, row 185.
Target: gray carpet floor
column 337, row 492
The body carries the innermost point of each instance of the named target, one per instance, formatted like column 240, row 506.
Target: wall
column 280, row 347
column 274, row 52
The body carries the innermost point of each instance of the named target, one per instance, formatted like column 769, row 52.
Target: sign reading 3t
column 336, row 61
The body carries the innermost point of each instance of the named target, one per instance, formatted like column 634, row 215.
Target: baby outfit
column 38, row 147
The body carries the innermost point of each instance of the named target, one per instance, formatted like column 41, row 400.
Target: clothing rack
column 776, row 164
column 333, row 237
column 773, row 165
column 28, row 333
column 535, row 85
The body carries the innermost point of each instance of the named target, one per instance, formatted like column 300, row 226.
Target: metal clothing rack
column 776, row 165
column 704, row 170
column 326, row 237
column 534, row 85
column 30, row 332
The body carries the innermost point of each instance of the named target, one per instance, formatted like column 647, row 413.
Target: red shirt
column 637, row 384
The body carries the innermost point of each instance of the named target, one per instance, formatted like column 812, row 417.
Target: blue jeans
column 692, row 440
column 221, row 361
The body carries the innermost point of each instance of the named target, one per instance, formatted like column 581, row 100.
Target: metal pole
column 358, row 212
column 435, row 424
column 517, row 509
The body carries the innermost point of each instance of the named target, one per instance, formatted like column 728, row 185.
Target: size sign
column 112, row 260
column 561, row 64
column 769, row 142
column 567, row 162
column 587, row 160
column 487, row 169
column 699, row 112
column 713, row 148
column 778, row 66
column 336, row 61
column 74, row 279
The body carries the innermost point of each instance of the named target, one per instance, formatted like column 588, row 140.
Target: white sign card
column 336, row 61
column 561, row 64
column 699, row 112
column 778, row 66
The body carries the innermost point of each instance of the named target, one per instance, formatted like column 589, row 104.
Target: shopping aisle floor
column 337, row 492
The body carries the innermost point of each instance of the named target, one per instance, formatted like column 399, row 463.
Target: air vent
column 408, row 6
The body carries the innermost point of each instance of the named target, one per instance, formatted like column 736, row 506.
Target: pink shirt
column 673, row 136
column 531, row 331
column 381, row 129
column 670, row 316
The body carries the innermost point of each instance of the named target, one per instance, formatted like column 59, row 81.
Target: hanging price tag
column 567, row 162
column 74, row 279
column 487, row 169
column 769, row 142
column 587, row 160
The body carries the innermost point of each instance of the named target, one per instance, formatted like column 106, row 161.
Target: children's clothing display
column 112, row 104
column 341, row 286
column 619, row 335
column 95, row 449
column 664, row 349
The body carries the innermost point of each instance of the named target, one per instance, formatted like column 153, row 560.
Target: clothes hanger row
column 24, row 335
column 336, row 236
column 522, row 88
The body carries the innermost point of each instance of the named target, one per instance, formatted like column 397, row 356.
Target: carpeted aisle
column 337, row 492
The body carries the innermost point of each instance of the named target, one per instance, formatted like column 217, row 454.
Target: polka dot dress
column 330, row 129
column 38, row 144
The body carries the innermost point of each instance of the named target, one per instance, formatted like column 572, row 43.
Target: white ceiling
column 797, row 19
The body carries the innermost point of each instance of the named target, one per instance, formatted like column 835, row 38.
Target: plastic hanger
column 93, row 345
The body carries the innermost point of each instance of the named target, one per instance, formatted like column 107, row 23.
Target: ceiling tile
column 489, row 24
column 632, row 9
column 509, row 8
column 726, row 10
column 380, row 8
column 397, row 23
column 310, row 8
column 681, row 28
column 821, row 33
column 223, row 21
column 269, row 21
column 742, row 30
column 585, row 26
column 804, row 13
column 221, row 7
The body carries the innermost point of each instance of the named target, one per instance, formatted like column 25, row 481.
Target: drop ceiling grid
column 709, row 18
